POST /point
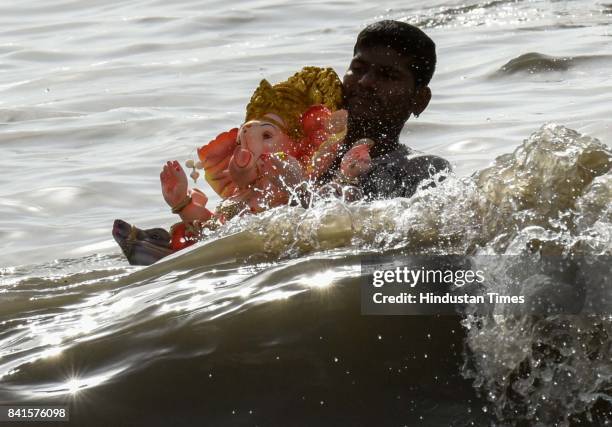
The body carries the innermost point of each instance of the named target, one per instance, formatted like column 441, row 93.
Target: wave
column 465, row 14
column 276, row 296
column 15, row 115
column 534, row 62
column 516, row 14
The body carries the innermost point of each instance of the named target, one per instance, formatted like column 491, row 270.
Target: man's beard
column 366, row 127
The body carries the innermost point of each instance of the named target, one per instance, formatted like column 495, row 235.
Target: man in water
column 387, row 82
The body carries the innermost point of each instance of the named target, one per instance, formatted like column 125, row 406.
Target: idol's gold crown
column 291, row 98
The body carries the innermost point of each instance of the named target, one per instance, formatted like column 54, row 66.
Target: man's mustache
column 369, row 98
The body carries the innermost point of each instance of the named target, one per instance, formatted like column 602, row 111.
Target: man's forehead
column 383, row 56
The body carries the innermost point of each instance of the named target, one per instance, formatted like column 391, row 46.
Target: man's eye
column 267, row 135
column 391, row 75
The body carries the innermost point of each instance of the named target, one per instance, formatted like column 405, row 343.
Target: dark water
column 308, row 361
column 261, row 323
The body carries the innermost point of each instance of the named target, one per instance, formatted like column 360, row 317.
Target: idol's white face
column 260, row 137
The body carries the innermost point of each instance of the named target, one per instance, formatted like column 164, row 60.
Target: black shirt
column 398, row 173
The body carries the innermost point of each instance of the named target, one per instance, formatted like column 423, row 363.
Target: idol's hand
column 279, row 171
column 357, row 160
column 173, row 183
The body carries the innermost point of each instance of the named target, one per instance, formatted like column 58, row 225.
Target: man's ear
column 421, row 100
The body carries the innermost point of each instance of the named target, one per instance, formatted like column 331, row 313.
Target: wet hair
column 405, row 39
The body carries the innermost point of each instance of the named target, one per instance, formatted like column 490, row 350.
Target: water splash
column 550, row 197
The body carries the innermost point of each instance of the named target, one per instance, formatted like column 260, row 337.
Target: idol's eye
column 267, row 135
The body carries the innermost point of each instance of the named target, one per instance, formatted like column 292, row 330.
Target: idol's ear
column 421, row 100
column 215, row 158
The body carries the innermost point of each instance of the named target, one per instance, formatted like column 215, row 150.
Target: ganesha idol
column 292, row 133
